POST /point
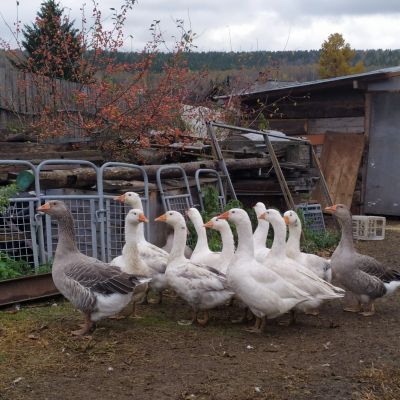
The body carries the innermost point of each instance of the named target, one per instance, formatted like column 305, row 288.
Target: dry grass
column 381, row 383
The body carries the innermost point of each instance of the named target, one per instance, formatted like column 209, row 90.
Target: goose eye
column 233, row 212
column 170, row 213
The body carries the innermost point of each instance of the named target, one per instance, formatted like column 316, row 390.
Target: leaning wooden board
column 340, row 161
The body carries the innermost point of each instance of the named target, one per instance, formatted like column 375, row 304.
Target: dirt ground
column 335, row 356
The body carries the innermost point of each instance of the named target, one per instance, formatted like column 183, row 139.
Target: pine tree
column 336, row 58
column 53, row 47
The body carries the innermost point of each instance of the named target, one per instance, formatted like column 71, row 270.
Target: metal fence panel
column 18, row 228
column 177, row 202
column 219, row 187
column 83, row 209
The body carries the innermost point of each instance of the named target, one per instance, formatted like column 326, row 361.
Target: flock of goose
column 268, row 282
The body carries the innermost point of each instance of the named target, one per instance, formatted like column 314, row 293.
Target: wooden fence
column 24, row 95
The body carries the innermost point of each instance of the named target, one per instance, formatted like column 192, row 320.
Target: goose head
column 130, row 198
column 55, row 208
column 235, row 215
column 271, row 215
column 217, row 223
column 135, row 217
column 259, row 208
column 291, row 218
column 193, row 214
column 173, row 218
column 340, row 211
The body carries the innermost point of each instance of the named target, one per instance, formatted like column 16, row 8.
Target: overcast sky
column 239, row 25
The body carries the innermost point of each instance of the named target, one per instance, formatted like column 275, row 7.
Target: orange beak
column 142, row 218
column 209, row 224
column 45, row 207
column 120, row 198
column 262, row 216
column 161, row 218
column 286, row 218
column 331, row 209
column 224, row 215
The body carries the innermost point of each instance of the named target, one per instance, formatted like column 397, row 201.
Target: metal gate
column 18, row 227
column 84, row 211
column 220, row 187
column 170, row 200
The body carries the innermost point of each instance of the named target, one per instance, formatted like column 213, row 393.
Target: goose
column 134, row 201
column 154, row 257
column 295, row 273
column 363, row 276
column 319, row 265
column 265, row 293
column 201, row 286
column 228, row 243
column 261, row 233
column 132, row 261
column 202, row 253
column 95, row 288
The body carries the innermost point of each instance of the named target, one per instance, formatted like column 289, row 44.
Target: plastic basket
column 367, row 227
column 313, row 217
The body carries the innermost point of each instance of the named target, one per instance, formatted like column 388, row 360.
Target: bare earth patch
column 335, row 356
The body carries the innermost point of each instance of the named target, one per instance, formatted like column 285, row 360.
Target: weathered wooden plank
column 324, row 125
column 3, row 103
column 340, row 161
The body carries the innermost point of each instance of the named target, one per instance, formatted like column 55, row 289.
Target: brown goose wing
column 99, row 277
column 366, row 284
column 373, row 267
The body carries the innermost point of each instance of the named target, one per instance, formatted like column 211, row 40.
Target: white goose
column 318, row 289
column 201, row 286
column 130, row 260
column 319, row 265
column 154, row 257
column 260, row 234
column 261, row 289
column 202, row 253
column 228, row 243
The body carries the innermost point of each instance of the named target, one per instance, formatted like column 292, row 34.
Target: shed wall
column 382, row 193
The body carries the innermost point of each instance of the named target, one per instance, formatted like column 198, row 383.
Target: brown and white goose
column 366, row 278
column 95, row 288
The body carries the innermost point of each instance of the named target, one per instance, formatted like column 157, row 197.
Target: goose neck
column 201, row 232
column 293, row 242
column 134, row 233
column 261, row 233
column 179, row 243
column 346, row 239
column 228, row 244
column 279, row 243
column 245, row 239
column 66, row 235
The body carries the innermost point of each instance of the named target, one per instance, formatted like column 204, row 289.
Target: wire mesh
column 115, row 227
column 83, row 213
column 17, row 231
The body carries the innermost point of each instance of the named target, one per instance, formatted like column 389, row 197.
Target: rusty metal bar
column 26, row 288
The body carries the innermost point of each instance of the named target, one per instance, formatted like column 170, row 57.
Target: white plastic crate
column 367, row 227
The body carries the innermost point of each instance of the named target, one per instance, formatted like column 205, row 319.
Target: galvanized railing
column 99, row 221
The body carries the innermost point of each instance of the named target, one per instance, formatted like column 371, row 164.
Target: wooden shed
column 353, row 120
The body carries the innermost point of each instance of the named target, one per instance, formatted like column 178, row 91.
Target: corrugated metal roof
column 284, row 86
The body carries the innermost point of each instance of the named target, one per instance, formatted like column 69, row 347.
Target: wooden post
column 324, row 185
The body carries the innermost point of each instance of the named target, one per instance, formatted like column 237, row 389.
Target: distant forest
column 300, row 65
